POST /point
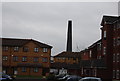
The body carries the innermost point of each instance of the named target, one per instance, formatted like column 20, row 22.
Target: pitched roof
column 69, row 54
column 109, row 19
column 21, row 42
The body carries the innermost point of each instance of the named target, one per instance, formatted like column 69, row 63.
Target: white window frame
column 118, row 74
column 16, row 48
column 5, row 58
column 35, row 70
column 105, row 34
column 45, row 49
column 114, row 57
column 104, row 50
column 5, row 48
column 118, row 57
column 90, row 53
column 24, row 59
column 114, row 73
column 36, row 49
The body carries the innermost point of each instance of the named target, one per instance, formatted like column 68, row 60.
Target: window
column 45, row 50
column 36, row 49
column 25, row 49
column 118, row 41
column 104, row 50
column 117, row 74
column 113, row 73
column 16, row 49
column 114, row 41
column 15, row 58
column 5, row 58
column 5, row 48
column 24, row 59
column 99, row 57
column 44, row 59
column 104, row 35
column 118, row 25
column 24, row 69
column 90, row 53
column 36, row 59
column 99, row 46
column 115, row 26
column 36, row 69
column 118, row 57
column 114, row 57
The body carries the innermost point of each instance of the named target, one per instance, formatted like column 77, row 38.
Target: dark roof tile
column 21, row 42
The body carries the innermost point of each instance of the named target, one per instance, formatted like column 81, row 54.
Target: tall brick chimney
column 69, row 37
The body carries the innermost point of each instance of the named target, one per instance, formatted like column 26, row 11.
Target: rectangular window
column 118, row 25
column 114, row 41
column 114, row 57
column 24, row 59
column 104, row 50
column 90, row 53
column 16, row 49
column 24, row 69
column 44, row 59
column 118, row 41
column 45, row 49
column 15, row 58
column 99, row 46
column 5, row 48
column 118, row 57
column 36, row 59
column 25, row 49
column 36, row 49
column 104, row 35
column 5, row 58
column 36, row 69
column 113, row 73
column 117, row 74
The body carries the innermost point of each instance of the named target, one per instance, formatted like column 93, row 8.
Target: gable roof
column 109, row 19
column 21, row 42
column 69, row 54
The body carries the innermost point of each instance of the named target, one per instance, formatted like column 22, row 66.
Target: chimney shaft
column 69, row 37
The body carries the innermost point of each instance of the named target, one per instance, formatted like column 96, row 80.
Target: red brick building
column 102, row 59
column 111, row 44
column 25, row 57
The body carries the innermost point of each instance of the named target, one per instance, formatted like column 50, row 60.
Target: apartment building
column 67, row 60
column 25, row 57
column 102, row 59
column 111, row 44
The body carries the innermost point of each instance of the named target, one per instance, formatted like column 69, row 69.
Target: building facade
column 68, row 62
column 111, row 44
column 102, row 59
column 25, row 57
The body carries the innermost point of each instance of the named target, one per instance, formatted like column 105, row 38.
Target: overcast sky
column 47, row 22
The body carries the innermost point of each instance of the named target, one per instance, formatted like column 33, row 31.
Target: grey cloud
column 47, row 22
